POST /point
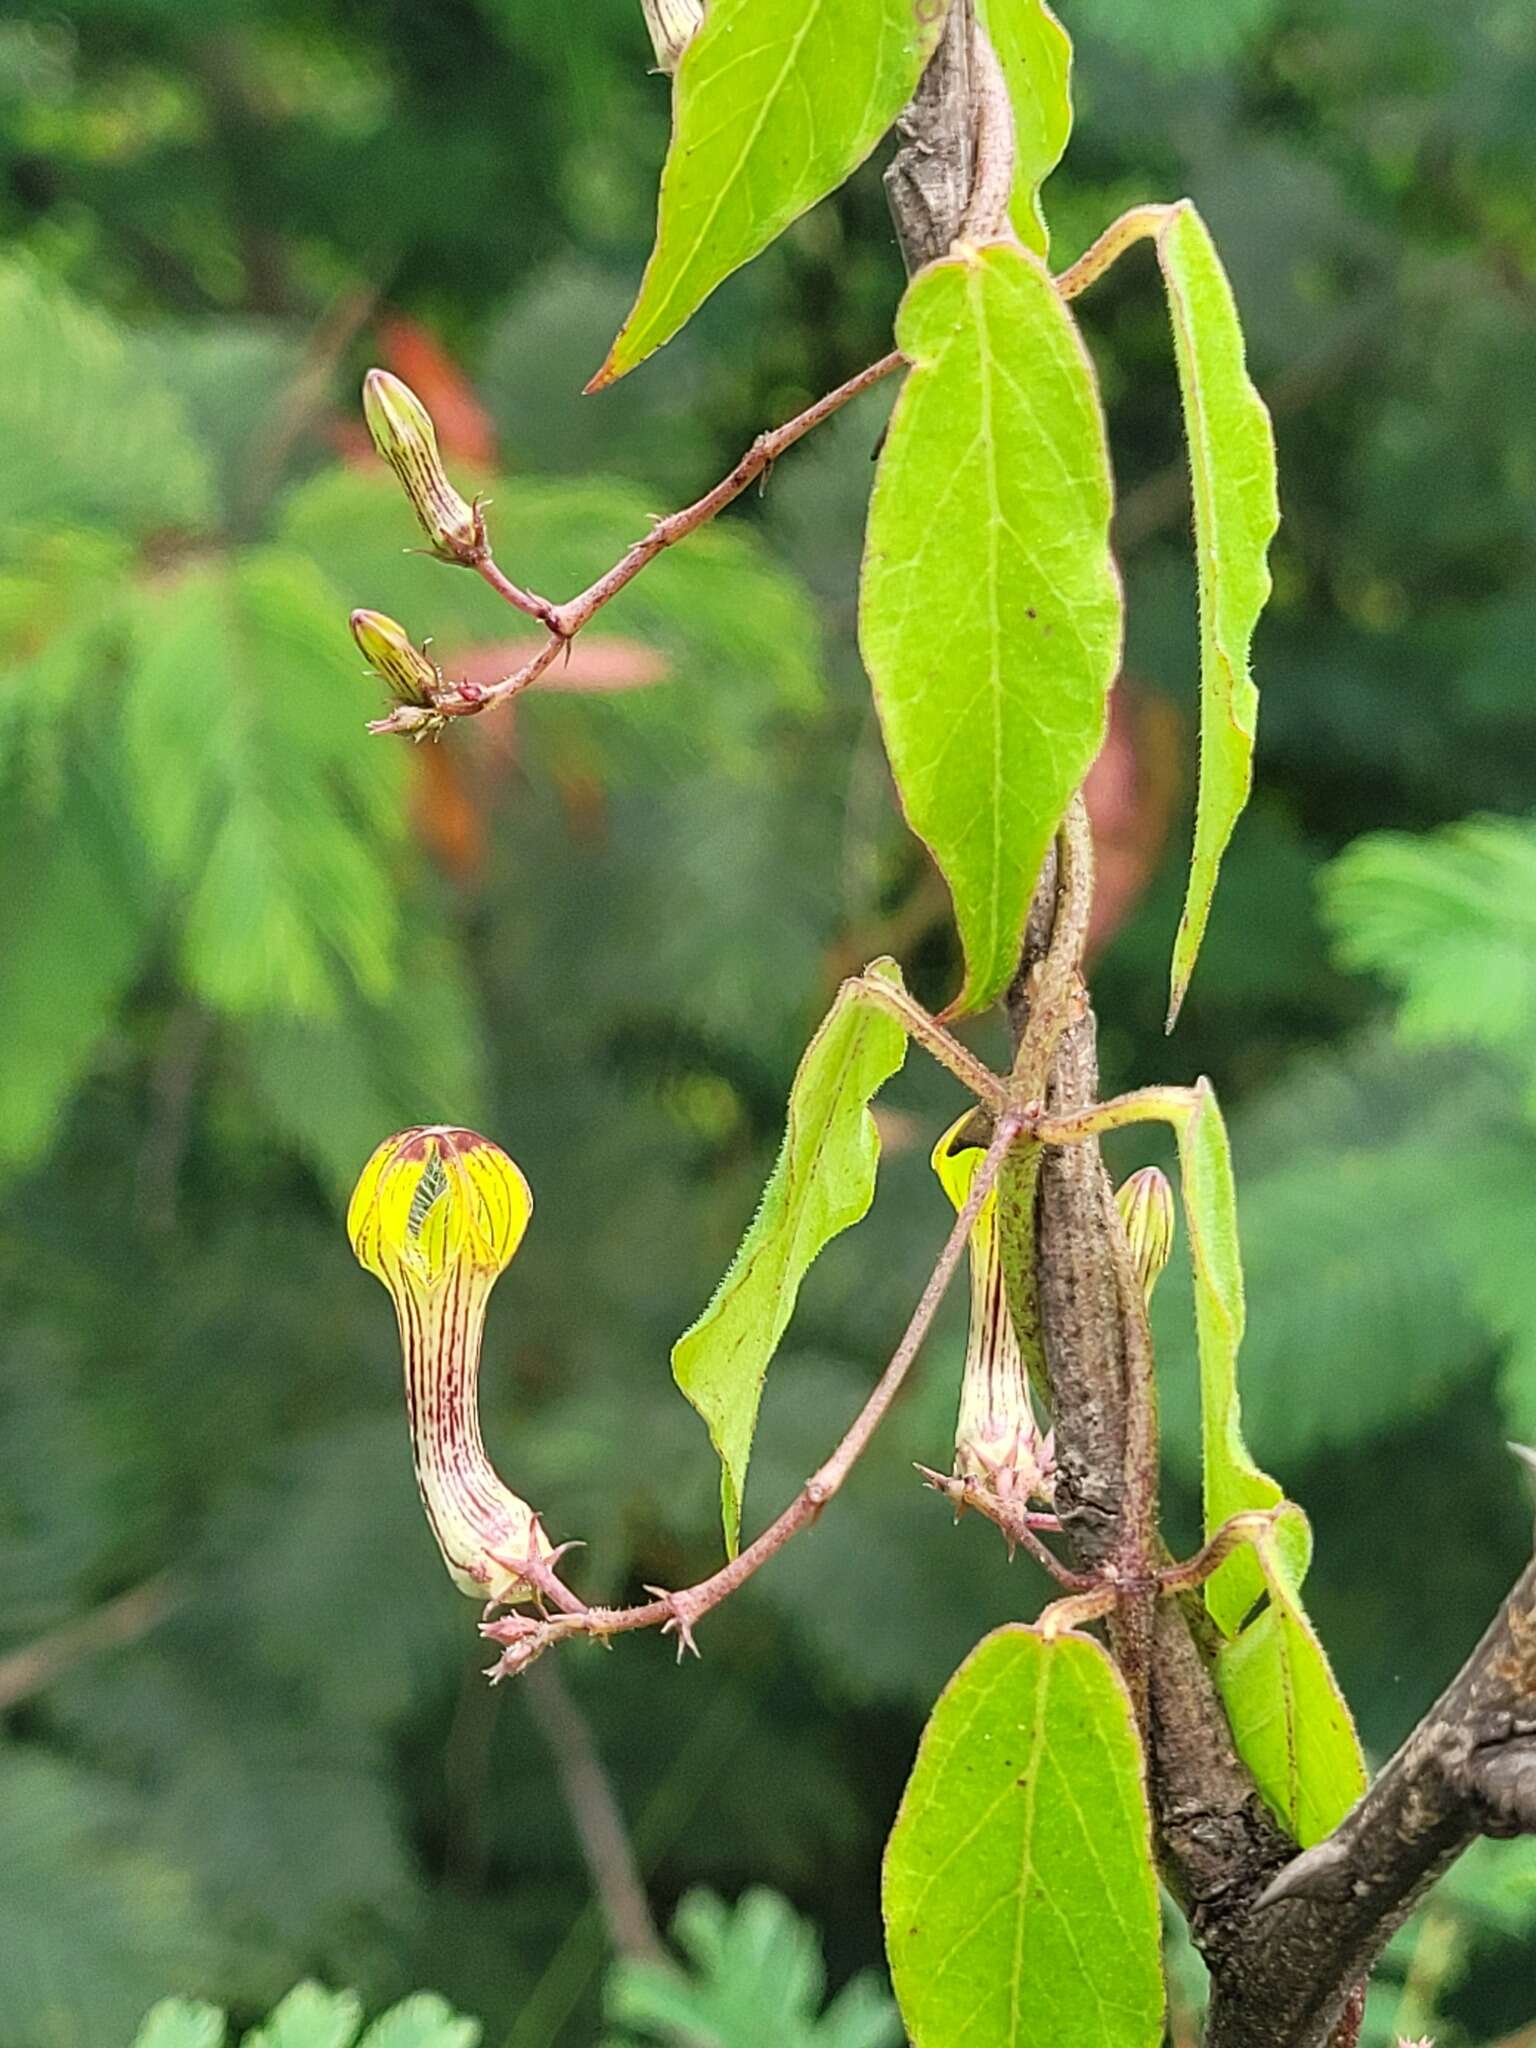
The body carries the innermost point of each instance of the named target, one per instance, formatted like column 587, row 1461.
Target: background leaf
column 310, row 2017
column 775, row 103
column 264, row 814
column 990, row 608
column 1035, row 52
column 756, row 1981
column 1020, row 1896
column 179, row 2023
column 1448, row 919
column 67, row 1834
column 1232, row 468
column 822, row 1183
column 91, row 434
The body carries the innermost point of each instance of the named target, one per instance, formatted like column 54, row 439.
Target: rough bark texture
column 1288, row 1939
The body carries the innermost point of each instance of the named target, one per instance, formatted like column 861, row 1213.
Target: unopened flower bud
column 1146, row 1209
column 394, row 658
column 673, row 24
column 998, row 1442
column 437, row 1215
column 404, row 435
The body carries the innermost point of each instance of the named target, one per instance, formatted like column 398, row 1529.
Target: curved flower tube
column 998, row 1442
column 437, row 1214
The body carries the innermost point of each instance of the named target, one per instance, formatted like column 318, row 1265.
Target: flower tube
column 998, row 1443
column 437, row 1215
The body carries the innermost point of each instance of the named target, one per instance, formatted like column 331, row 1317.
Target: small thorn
column 678, row 1621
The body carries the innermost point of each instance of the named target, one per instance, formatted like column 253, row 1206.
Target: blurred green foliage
column 240, row 942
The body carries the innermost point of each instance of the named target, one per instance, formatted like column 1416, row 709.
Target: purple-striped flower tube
column 998, row 1442
column 437, row 1214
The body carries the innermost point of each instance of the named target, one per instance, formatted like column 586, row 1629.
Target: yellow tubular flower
column 998, row 1444
column 403, row 433
column 437, row 1214
column 1146, row 1208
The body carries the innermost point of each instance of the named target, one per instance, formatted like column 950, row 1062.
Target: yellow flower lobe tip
column 433, row 1197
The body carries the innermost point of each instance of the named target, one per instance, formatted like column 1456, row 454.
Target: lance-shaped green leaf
column 1289, row 1719
column 990, row 608
column 775, row 103
column 822, row 1183
column 1233, row 1483
column 1021, row 1906
column 1232, row 473
column 1035, row 52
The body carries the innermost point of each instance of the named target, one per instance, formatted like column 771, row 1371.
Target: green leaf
column 311, row 2018
column 74, row 926
column 425, row 2021
column 1449, row 920
column 179, row 2023
column 61, row 609
column 263, row 804
column 1233, row 1484
column 756, row 1981
column 1289, row 1719
column 1035, row 52
column 822, row 1183
column 1021, row 1905
column 990, row 610
column 88, row 433
column 775, row 103
column 93, row 1926
column 1232, row 469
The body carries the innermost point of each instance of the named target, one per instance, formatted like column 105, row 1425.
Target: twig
column 527, row 1636
column 565, row 621
column 595, row 1815
column 120, row 1621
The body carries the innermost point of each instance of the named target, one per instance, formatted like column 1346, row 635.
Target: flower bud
column 673, row 24
column 401, row 666
column 404, row 435
column 998, row 1443
column 437, row 1215
column 1146, row 1209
